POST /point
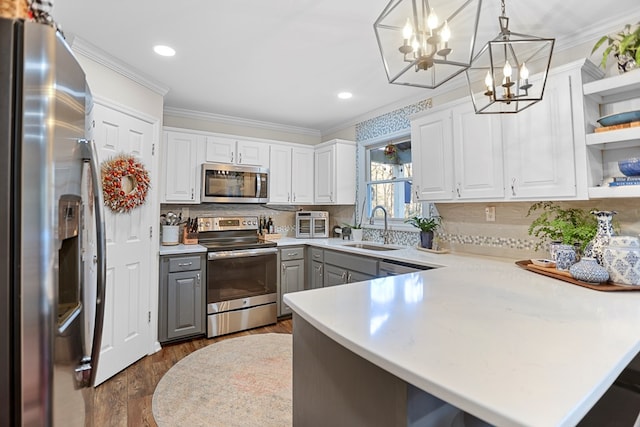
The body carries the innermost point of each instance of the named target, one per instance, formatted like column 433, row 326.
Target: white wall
column 266, row 131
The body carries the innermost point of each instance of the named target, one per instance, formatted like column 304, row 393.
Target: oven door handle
column 241, row 254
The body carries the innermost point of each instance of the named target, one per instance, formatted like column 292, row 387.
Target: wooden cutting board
column 565, row 276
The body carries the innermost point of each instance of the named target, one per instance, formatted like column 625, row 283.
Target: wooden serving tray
column 566, row 277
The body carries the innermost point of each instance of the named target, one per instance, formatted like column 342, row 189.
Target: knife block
column 189, row 238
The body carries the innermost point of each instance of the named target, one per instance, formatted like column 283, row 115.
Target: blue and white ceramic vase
column 588, row 270
column 596, row 246
column 565, row 257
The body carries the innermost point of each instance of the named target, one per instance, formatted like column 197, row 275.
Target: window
column 388, row 180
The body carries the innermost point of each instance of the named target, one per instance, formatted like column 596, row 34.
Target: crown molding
column 238, row 121
column 96, row 54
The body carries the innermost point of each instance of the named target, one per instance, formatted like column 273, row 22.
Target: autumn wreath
column 125, row 183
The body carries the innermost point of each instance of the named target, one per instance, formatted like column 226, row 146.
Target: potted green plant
column 570, row 226
column 624, row 45
column 427, row 228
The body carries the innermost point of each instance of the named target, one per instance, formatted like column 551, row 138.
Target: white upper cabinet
column 335, row 173
column 457, row 155
column 537, row 154
column 302, row 175
column 477, row 154
column 291, row 175
column 237, row 151
column 539, row 145
column 432, row 156
column 181, row 167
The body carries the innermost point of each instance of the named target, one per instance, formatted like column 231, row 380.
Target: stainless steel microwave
column 222, row 183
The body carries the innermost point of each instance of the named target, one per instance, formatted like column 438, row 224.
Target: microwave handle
column 258, row 185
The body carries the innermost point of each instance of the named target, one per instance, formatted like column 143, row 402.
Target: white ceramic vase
column 356, row 233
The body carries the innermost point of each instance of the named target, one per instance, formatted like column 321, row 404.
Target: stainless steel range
column 241, row 275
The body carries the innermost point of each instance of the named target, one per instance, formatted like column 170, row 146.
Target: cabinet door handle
column 232, row 157
column 349, row 278
column 458, row 190
column 319, row 270
column 240, row 157
column 185, row 264
column 294, row 197
column 192, row 194
column 344, row 277
column 288, row 197
column 198, row 280
column 513, row 187
column 284, row 272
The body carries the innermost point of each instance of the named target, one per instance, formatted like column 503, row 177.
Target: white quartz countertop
column 181, row 249
column 507, row 345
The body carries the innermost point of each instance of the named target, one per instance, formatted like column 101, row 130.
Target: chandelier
column 504, row 66
column 426, row 43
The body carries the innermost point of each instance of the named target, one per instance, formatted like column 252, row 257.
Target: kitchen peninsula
column 506, row 345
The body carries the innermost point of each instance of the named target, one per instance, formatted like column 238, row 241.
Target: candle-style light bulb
column 407, row 31
column 488, row 80
column 415, row 44
column 432, row 20
column 445, row 34
column 524, row 72
column 507, row 70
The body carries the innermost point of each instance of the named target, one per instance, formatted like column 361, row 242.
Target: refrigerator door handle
column 86, row 371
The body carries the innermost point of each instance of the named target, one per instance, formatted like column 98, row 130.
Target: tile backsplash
column 463, row 230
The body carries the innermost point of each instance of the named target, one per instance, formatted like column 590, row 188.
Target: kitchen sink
column 373, row 246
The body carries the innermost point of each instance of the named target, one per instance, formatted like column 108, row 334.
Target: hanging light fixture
column 426, row 43
column 504, row 66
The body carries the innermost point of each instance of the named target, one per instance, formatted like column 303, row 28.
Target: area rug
column 244, row 381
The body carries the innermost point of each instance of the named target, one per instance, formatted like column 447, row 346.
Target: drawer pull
column 186, row 264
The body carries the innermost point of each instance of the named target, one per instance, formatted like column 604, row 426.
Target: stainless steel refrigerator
column 51, row 232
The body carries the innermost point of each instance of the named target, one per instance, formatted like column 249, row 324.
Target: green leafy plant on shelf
column 625, row 42
column 555, row 224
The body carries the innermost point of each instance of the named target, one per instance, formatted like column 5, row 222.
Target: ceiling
column 284, row 61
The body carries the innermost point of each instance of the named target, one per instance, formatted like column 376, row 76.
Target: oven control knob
column 244, row 222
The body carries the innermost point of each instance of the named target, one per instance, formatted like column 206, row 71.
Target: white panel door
column 539, row 146
column 302, row 175
column 477, row 145
column 324, row 182
column 432, row 152
column 253, row 153
column 127, row 332
column 181, row 168
column 280, row 174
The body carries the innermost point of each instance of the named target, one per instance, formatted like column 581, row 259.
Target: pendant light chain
column 502, row 7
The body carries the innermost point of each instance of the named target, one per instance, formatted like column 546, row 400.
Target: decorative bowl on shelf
column 630, row 167
column 620, row 118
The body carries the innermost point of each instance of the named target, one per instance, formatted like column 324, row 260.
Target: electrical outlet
column 490, row 213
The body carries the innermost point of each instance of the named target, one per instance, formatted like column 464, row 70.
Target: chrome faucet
column 385, row 235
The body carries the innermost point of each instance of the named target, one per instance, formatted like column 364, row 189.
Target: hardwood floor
column 125, row 399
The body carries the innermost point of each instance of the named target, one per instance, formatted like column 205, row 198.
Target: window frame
column 365, row 180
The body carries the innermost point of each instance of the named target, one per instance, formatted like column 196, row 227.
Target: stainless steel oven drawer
column 240, row 320
column 184, row 264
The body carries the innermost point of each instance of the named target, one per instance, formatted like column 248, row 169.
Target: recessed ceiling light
column 164, row 50
column 345, row 95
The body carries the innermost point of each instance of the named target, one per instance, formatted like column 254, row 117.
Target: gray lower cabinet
column 182, row 297
column 291, row 274
column 316, row 268
column 341, row 268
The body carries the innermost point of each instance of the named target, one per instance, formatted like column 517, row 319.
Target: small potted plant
column 571, row 226
column 624, row 45
column 427, row 228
